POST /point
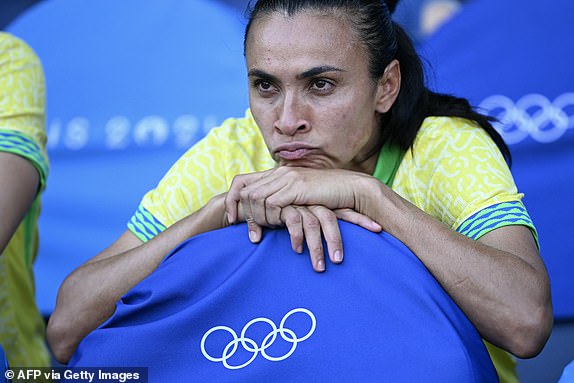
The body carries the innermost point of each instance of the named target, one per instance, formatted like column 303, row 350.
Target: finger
column 255, row 207
column 292, row 219
column 331, row 233
column 312, row 232
column 232, row 198
column 257, row 196
column 359, row 219
column 255, row 231
column 273, row 214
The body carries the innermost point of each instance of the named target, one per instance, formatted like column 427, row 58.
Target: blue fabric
column 568, row 373
column 3, row 366
column 380, row 316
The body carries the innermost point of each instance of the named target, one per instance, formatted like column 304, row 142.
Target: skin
column 318, row 112
column 19, row 180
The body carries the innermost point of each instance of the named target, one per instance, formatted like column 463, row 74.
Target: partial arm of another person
column 499, row 281
column 19, row 181
column 87, row 297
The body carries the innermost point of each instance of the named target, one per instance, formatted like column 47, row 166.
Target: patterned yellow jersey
column 22, row 132
column 454, row 172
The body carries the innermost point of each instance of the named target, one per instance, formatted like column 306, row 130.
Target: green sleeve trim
column 495, row 216
column 144, row 225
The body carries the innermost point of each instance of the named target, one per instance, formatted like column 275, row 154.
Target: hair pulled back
column 384, row 40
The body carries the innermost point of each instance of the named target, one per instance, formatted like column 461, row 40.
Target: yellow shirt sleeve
column 22, row 103
column 204, row 171
column 454, row 171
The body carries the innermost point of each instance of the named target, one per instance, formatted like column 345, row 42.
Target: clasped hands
column 307, row 201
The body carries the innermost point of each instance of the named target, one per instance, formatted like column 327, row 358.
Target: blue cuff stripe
column 495, row 215
column 492, row 217
column 144, row 225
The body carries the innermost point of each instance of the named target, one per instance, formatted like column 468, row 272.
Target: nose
column 291, row 117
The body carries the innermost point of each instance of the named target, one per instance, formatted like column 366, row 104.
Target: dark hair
column 384, row 41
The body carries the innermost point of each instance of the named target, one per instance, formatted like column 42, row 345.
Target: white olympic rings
column 533, row 115
column 251, row 346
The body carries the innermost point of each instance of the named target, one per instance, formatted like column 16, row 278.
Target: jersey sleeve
column 462, row 179
column 22, row 104
column 204, row 171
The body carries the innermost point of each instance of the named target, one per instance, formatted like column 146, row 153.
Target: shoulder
column 15, row 51
column 453, row 170
column 239, row 130
column 234, row 147
column 455, row 143
column 21, row 80
column 456, row 133
column 240, row 140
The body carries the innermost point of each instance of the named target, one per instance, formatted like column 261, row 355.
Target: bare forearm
column 89, row 294
column 501, row 285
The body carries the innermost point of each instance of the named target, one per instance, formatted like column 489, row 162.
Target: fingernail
column 299, row 249
column 338, row 256
column 252, row 236
column 320, row 265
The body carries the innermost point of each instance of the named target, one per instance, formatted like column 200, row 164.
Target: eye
column 322, row 85
column 264, row 87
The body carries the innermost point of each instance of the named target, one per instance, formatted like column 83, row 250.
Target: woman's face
column 310, row 92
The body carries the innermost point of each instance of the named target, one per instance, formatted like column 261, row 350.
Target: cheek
column 352, row 129
column 262, row 114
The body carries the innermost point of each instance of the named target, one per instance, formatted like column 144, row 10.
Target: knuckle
column 328, row 215
column 312, row 223
column 333, row 239
column 316, row 250
column 272, row 203
column 244, row 194
column 292, row 219
column 238, row 180
column 256, row 195
column 296, row 236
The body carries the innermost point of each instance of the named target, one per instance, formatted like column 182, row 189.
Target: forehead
column 307, row 38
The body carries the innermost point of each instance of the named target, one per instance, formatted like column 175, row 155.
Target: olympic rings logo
column 251, row 345
column 533, row 115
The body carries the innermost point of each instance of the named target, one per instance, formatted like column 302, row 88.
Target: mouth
column 293, row 151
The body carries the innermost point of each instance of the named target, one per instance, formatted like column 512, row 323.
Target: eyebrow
column 307, row 74
column 317, row 71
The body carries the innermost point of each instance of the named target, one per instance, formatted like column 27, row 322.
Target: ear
column 388, row 87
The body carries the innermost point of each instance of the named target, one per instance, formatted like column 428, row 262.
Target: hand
column 307, row 223
column 251, row 199
column 264, row 194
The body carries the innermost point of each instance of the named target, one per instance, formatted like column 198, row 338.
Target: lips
column 293, row 151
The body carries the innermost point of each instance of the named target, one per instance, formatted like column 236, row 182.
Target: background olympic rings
column 533, row 115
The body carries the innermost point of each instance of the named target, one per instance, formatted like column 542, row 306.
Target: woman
column 347, row 130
